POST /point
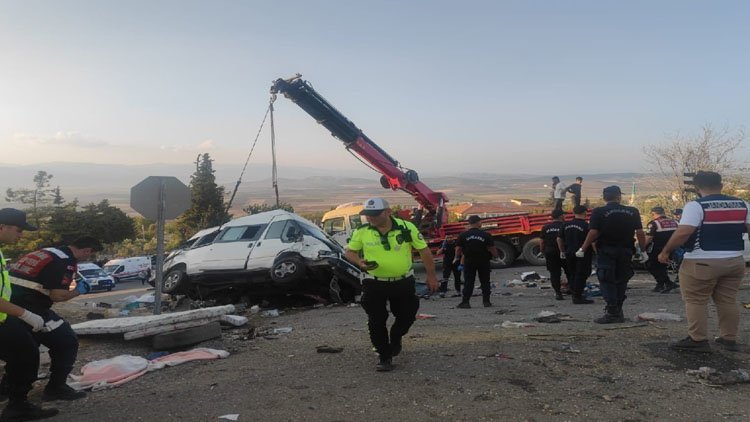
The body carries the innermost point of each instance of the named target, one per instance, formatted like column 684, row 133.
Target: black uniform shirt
column 575, row 189
column 660, row 230
column 616, row 223
column 474, row 244
column 550, row 232
column 573, row 234
column 53, row 268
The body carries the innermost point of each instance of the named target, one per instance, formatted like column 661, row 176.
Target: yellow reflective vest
column 4, row 284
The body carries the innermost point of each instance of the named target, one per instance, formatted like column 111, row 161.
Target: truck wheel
column 174, row 281
column 532, row 252
column 507, row 254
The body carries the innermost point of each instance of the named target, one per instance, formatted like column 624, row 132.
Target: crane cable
column 274, row 173
column 257, row 135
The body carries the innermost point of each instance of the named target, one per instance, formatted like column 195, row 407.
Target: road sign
column 160, row 198
column 144, row 197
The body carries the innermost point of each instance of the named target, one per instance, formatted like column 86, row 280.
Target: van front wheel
column 174, row 281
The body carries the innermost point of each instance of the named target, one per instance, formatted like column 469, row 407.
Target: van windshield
column 109, row 269
column 95, row 272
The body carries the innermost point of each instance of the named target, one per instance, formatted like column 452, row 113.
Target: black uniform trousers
column 471, row 269
column 657, row 269
column 579, row 270
column 63, row 349
column 20, row 352
column 614, row 268
column 559, row 204
column 555, row 266
column 404, row 304
column 449, row 267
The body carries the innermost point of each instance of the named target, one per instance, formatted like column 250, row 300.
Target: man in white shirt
column 711, row 228
column 559, row 190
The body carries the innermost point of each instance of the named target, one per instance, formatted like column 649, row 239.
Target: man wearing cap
column 612, row 228
column 569, row 240
column 713, row 267
column 554, row 259
column 474, row 249
column 18, row 349
column 658, row 232
column 40, row 279
column 383, row 250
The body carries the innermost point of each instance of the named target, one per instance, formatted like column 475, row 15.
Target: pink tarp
column 108, row 373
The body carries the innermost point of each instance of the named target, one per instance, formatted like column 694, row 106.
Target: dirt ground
column 460, row 365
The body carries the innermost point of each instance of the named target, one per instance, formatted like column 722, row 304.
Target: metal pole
column 159, row 247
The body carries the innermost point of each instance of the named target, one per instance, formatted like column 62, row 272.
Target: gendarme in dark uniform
column 658, row 232
column 474, row 249
column 612, row 227
column 572, row 236
column 554, row 261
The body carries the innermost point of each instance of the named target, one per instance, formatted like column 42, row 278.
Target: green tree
column 207, row 208
column 38, row 197
column 263, row 207
column 103, row 221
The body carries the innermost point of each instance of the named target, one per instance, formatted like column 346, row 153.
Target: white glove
column 580, row 253
column 643, row 258
column 35, row 321
column 562, row 255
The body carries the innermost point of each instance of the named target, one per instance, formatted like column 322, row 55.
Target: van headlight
column 327, row 254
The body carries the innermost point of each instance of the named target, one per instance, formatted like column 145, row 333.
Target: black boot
column 486, row 302
column 464, row 305
column 61, row 392
column 26, row 411
column 579, row 299
column 612, row 315
column 658, row 288
column 559, row 296
column 669, row 287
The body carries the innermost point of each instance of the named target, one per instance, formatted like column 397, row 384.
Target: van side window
column 291, row 232
column 334, row 225
column 245, row 233
column 276, row 229
column 205, row 240
column 355, row 221
column 119, row 269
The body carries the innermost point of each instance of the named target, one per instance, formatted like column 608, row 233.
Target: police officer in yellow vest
column 18, row 349
column 383, row 249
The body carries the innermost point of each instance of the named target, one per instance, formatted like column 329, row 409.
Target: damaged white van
column 274, row 252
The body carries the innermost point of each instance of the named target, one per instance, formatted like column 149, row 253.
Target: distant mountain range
column 307, row 189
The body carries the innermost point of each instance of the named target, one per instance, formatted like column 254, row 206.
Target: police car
column 95, row 276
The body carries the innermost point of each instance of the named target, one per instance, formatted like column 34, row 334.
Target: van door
column 229, row 251
column 281, row 235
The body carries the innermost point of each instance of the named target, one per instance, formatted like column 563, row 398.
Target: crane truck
column 514, row 235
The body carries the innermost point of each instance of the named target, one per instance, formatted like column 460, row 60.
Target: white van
column 95, row 276
column 340, row 222
column 274, row 252
column 128, row 269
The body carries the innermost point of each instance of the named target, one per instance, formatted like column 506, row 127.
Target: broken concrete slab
column 187, row 337
column 142, row 326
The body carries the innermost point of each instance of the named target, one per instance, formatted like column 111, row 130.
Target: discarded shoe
column 385, row 365
column 730, row 345
column 463, row 305
column 26, row 411
column 487, row 304
column 64, row 392
column 690, row 345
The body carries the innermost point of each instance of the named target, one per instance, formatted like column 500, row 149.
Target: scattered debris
column 270, row 313
column 254, row 309
column 623, row 327
column 712, row 377
column 658, row 316
column 235, row 320
column 425, row 316
column 329, row 349
column 567, row 347
column 746, row 305
column 503, row 311
column 230, row 417
column 282, row 330
column 530, row 275
column 511, row 324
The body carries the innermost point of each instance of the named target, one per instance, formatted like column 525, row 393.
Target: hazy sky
column 496, row 86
